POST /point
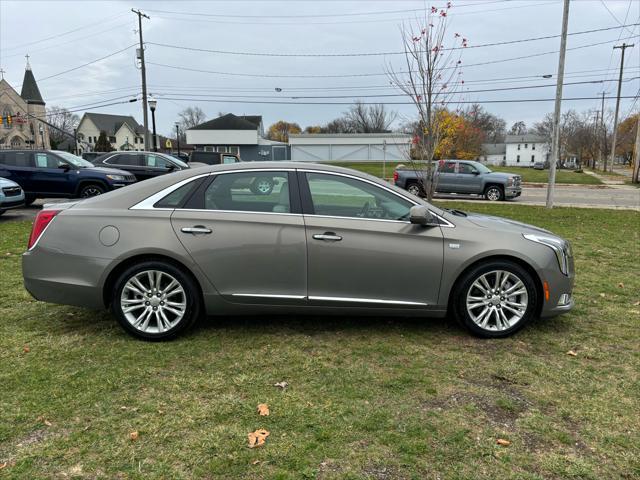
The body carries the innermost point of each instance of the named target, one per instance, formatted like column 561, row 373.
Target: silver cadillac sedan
column 285, row 237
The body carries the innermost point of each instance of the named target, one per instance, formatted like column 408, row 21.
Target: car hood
column 499, row 175
column 104, row 171
column 7, row 183
column 504, row 224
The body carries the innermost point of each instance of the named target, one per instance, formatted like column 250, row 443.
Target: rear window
column 125, row 159
column 17, row 159
column 179, row 196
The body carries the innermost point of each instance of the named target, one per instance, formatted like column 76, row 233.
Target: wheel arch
column 109, row 283
column 497, row 257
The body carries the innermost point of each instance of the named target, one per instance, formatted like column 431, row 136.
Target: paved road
column 620, row 197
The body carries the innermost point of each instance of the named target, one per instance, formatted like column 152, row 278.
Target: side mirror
column 64, row 166
column 476, row 172
column 420, row 215
column 171, row 167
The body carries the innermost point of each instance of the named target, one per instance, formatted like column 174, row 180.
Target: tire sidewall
column 460, row 297
column 192, row 311
column 418, row 191
column 91, row 185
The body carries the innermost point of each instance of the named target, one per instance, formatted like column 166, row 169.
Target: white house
column 525, row 150
column 493, row 153
column 123, row 132
column 349, row 147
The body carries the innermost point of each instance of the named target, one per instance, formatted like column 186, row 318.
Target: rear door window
column 156, row 161
column 46, row 160
column 125, row 159
column 18, row 159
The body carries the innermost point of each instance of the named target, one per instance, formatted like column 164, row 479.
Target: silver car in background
column 11, row 195
column 323, row 239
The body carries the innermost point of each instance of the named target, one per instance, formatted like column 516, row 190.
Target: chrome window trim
column 149, row 202
column 233, row 211
column 269, row 295
column 366, row 300
column 447, row 224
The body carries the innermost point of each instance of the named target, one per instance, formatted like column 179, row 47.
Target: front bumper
column 558, row 285
column 120, row 184
column 14, row 203
column 513, row 192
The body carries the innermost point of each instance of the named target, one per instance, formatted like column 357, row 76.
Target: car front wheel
column 495, row 299
column 91, row 190
column 155, row 300
column 494, row 194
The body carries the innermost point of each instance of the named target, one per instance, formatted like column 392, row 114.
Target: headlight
column 118, row 178
column 512, row 182
column 561, row 248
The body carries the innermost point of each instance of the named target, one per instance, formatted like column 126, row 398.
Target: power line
column 371, row 54
column 616, row 18
column 266, row 75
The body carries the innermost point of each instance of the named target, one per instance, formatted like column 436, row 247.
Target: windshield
column 177, row 161
column 73, row 159
column 481, row 167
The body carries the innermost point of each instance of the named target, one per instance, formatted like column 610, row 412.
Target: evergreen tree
column 103, row 144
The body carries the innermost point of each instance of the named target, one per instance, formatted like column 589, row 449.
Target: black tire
column 494, row 193
column 28, row 200
column 2, row 212
column 464, row 285
column 262, row 186
column 191, row 296
column 415, row 189
column 89, row 190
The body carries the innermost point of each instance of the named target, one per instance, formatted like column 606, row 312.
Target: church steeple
column 30, row 92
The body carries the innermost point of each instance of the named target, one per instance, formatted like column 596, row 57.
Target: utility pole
column 635, row 173
column 143, row 70
column 623, row 47
column 603, row 147
column 555, row 143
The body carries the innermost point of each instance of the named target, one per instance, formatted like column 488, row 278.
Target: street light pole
column 178, row 136
column 152, row 105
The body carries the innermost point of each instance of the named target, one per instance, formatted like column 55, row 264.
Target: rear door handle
column 197, row 229
column 330, row 236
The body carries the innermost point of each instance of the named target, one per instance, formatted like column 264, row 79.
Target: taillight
column 395, row 176
column 43, row 218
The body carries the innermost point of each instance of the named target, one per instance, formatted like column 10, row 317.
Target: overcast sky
column 60, row 36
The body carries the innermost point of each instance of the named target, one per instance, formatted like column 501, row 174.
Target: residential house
column 516, row 151
column 239, row 134
column 349, row 147
column 123, row 132
column 494, row 154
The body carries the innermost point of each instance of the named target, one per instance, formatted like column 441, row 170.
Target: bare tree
column 63, row 123
column 492, row 126
column 431, row 80
column 369, row 118
column 190, row 117
column 518, row 128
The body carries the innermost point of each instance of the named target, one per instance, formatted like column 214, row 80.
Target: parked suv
column 212, row 158
column 466, row 177
column 11, row 195
column 143, row 165
column 53, row 173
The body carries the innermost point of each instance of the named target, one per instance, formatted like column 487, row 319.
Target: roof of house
column 111, row 123
column 526, row 138
column 494, row 148
column 231, row 122
column 30, row 92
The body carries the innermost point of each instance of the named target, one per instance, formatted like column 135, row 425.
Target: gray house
column 239, row 134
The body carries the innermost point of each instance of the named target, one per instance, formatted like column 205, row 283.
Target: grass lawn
column 528, row 174
column 382, row 398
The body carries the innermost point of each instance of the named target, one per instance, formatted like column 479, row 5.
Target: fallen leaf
column 503, row 442
column 26, row 349
column 3, row 465
column 123, row 408
column 621, row 285
column 44, row 420
column 602, row 295
column 255, row 462
column 133, row 436
column 282, row 384
column 572, row 353
column 257, row 438
column 263, row 409
column 637, row 303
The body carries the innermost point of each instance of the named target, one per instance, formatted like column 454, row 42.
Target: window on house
column 222, row 149
column 518, row 146
column 518, row 159
column 533, row 158
column 504, row 157
column 112, row 139
column 135, row 139
column 235, row 150
column 526, row 145
column 533, row 146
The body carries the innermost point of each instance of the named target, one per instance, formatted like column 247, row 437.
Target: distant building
column 516, row 151
column 23, row 115
column 239, row 134
column 349, row 147
column 123, row 132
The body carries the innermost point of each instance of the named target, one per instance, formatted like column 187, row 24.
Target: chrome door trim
column 366, row 300
column 233, row 211
column 269, row 295
column 149, row 202
column 447, row 224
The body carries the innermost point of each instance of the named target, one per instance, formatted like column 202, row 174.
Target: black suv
column 213, row 158
column 54, row 173
column 142, row 164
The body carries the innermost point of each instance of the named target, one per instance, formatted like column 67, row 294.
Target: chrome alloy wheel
column 414, row 189
column 493, row 194
column 90, row 192
column 497, row 300
column 153, row 301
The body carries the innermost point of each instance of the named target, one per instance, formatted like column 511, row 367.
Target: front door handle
column 197, row 229
column 330, row 236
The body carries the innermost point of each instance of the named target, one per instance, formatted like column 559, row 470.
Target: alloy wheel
column 414, row 190
column 90, row 192
column 497, row 300
column 493, row 194
column 153, row 301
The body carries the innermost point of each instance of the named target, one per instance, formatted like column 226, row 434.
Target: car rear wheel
column 155, row 300
column 91, row 190
column 494, row 193
column 28, row 200
column 495, row 299
column 414, row 189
